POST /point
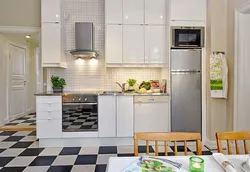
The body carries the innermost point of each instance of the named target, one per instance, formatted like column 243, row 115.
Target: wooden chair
column 233, row 136
column 167, row 137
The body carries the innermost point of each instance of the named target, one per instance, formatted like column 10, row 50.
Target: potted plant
column 131, row 84
column 57, row 84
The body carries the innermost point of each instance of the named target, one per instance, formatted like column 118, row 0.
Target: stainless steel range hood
column 84, row 41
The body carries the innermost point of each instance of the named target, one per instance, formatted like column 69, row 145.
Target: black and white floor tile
column 28, row 120
column 19, row 151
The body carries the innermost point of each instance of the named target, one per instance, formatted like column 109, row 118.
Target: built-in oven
column 186, row 37
column 80, row 113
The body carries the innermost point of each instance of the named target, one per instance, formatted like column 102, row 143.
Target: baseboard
column 31, row 110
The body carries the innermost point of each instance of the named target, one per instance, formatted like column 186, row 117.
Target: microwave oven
column 187, row 37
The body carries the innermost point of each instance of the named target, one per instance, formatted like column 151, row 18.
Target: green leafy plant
column 131, row 82
column 57, row 81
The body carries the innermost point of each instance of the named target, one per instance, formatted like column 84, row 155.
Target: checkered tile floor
column 19, row 151
column 27, row 120
column 79, row 120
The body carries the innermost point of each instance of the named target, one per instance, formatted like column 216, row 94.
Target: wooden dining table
column 118, row 164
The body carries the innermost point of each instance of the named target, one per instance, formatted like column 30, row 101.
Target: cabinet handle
column 151, row 99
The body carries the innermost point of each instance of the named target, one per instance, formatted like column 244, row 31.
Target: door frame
column 21, row 29
column 10, row 43
column 243, row 9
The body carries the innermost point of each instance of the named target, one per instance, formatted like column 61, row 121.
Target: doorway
column 17, row 82
column 241, row 68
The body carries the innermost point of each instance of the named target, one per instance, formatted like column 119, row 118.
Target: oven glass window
column 187, row 38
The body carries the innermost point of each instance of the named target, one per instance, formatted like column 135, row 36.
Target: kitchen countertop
column 101, row 93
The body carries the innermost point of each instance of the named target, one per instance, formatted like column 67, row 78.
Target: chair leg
column 135, row 147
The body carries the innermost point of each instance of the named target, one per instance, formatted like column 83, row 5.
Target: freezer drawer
column 186, row 59
column 186, row 104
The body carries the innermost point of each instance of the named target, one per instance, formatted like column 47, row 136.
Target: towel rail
column 218, row 52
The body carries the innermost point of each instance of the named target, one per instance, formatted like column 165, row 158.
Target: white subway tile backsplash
column 90, row 75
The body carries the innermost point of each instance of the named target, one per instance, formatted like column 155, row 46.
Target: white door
column 113, row 11
column 191, row 10
column 133, row 44
column 155, row 44
column 155, row 12
column 133, row 12
column 17, row 93
column 113, row 44
column 50, row 11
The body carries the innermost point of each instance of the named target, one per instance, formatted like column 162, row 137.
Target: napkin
column 224, row 163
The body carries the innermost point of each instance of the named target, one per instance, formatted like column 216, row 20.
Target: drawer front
column 49, row 107
column 149, row 99
column 48, row 99
column 49, row 115
column 49, row 128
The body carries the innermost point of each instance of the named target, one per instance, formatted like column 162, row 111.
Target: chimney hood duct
column 84, row 41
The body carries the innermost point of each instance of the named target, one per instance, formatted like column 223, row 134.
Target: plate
column 245, row 167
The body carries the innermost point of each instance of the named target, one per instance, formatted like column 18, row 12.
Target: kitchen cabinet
column 133, row 11
column 51, row 11
column 155, row 12
column 113, row 53
column 151, row 114
column 107, row 116
column 53, row 45
column 191, row 10
column 155, row 44
column 133, row 44
column 125, row 116
column 49, row 116
column 113, row 11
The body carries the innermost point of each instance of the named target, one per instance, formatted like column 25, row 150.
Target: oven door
column 187, row 38
column 80, row 117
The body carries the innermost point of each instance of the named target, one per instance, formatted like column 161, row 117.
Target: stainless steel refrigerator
column 186, row 93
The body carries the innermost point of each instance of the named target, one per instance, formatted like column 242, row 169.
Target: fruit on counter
column 145, row 85
column 142, row 90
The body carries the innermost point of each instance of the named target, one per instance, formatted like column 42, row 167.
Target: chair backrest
column 167, row 137
column 233, row 136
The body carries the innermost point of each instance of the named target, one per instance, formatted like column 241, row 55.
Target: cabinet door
column 125, row 116
column 133, row 11
column 113, row 44
column 155, row 44
column 51, row 44
column 133, row 44
column 191, row 10
column 155, row 12
column 113, row 9
column 107, row 116
column 49, row 128
column 51, row 11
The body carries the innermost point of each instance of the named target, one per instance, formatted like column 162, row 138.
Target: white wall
column 30, row 70
column 20, row 13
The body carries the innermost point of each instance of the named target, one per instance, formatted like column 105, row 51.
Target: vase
column 57, row 89
column 131, row 88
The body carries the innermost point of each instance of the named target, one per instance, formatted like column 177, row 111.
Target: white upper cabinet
column 188, row 10
column 113, row 44
column 155, row 38
column 133, row 11
column 52, row 47
column 113, row 10
column 133, row 44
column 155, row 12
column 51, row 11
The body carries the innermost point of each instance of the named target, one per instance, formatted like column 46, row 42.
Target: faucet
column 122, row 86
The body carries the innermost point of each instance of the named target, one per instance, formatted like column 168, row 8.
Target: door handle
column 24, row 82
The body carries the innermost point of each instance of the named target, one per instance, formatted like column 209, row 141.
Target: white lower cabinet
column 125, row 116
column 50, row 128
column 151, row 114
column 107, row 116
